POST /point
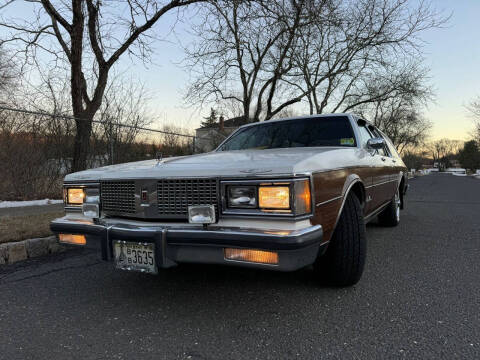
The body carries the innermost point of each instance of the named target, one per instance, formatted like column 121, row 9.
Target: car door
column 396, row 163
column 368, row 161
column 384, row 174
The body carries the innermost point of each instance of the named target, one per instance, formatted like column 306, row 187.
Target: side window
column 364, row 136
column 391, row 147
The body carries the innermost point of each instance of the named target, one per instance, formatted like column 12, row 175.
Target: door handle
column 394, row 160
column 383, row 159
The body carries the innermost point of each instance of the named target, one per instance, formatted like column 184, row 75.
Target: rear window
column 308, row 132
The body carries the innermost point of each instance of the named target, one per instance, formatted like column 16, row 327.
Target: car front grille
column 176, row 195
column 118, row 196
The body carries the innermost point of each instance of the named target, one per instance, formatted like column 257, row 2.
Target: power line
column 68, row 117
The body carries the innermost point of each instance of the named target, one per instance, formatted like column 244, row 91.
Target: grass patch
column 17, row 228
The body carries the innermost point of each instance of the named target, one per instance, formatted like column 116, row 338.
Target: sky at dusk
column 452, row 53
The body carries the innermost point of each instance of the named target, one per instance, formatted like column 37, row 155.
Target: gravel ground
column 419, row 298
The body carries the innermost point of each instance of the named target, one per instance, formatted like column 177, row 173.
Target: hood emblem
column 256, row 171
column 159, row 157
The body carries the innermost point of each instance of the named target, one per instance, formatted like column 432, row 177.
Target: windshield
column 308, row 132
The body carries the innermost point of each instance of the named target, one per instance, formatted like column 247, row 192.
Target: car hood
column 286, row 161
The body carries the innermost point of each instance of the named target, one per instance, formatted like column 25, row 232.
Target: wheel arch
column 353, row 184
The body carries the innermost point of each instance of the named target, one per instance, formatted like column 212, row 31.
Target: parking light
column 252, row 255
column 72, row 239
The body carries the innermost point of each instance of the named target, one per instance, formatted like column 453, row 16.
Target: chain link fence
column 36, row 149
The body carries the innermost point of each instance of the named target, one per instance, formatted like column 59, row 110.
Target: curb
column 26, row 249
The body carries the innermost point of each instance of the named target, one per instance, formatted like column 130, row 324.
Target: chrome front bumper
column 195, row 244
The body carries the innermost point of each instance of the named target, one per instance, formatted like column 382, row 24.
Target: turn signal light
column 250, row 255
column 303, row 197
column 72, row 239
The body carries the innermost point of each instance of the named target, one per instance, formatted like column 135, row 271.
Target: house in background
column 209, row 137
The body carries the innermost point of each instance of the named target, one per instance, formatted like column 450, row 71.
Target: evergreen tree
column 211, row 120
column 469, row 156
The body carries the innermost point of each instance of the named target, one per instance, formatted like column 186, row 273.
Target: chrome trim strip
column 251, row 262
column 164, row 246
column 328, row 201
column 81, row 184
column 382, row 183
column 263, row 215
column 260, row 175
column 243, row 233
column 342, row 168
column 376, row 212
column 73, row 208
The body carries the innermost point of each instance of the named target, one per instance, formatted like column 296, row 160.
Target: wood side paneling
column 378, row 178
column 326, row 215
column 329, row 190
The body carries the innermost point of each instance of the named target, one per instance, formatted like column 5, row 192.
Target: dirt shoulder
column 17, row 227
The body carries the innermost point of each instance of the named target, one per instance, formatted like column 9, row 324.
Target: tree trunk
column 81, row 147
column 246, row 109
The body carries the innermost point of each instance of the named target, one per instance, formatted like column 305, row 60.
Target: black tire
column 343, row 262
column 391, row 215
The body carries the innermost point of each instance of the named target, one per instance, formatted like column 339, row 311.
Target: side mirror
column 376, row 143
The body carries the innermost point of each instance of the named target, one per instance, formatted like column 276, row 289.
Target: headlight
column 256, row 197
column 242, row 196
column 274, row 197
column 75, row 196
column 86, row 198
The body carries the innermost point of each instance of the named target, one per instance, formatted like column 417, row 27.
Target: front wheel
column 342, row 264
column 391, row 215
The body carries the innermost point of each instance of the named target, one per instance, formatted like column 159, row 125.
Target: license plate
column 135, row 256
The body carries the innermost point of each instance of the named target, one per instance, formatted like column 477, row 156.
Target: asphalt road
column 419, row 298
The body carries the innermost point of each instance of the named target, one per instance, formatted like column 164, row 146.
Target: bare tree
column 270, row 55
column 399, row 114
column 9, row 76
column 357, row 56
column 172, row 143
column 287, row 113
column 474, row 108
column 124, row 103
column 415, row 159
column 444, row 150
column 244, row 50
column 406, row 127
column 87, row 37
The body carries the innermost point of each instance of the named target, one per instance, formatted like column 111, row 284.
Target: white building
column 208, row 138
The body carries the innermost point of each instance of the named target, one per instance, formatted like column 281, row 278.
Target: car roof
column 314, row 116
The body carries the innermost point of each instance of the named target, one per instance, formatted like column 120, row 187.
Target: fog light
column 91, row 210
column 250, row 255
column 72, row 239
column 203, row 214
